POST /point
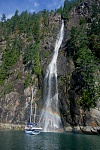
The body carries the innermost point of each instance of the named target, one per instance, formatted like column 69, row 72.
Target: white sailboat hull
column 33, row 131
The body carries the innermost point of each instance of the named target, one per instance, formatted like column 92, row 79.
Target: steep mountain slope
column 19, row 73
column 79, row 88
column 26, row 47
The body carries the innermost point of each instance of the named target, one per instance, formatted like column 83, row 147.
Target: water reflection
column 18, row 140
column 61, row 141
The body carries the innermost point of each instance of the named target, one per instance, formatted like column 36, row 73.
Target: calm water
column 18, row 140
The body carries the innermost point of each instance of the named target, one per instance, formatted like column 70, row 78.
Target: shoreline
column 11, row 126
column 83, row 130
column 77, row 130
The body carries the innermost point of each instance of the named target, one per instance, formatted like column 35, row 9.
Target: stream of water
column 50, row 115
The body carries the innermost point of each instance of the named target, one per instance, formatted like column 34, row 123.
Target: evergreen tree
column 3, row 18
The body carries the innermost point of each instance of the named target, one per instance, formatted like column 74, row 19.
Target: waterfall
column 50, row 117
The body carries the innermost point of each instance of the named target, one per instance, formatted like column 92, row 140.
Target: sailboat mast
column 31, row 107
column 35, row 113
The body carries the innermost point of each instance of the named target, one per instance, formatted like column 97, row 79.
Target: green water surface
column 18, row 140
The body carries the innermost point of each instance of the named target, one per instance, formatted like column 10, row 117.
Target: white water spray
column 50, row 117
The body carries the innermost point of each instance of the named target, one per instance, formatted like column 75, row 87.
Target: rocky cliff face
column 14, row 97
column 70, row 82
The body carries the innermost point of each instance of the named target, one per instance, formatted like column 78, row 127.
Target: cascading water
column 50, row 117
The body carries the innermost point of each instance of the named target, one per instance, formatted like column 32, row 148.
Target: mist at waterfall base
column 50, row 118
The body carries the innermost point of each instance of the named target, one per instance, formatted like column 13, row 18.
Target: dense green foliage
column 9, row 58
column 22, row 34
column 84, row 47
column 27, row 80
column 68, row 5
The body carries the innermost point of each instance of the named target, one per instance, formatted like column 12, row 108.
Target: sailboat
column 32, row 128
